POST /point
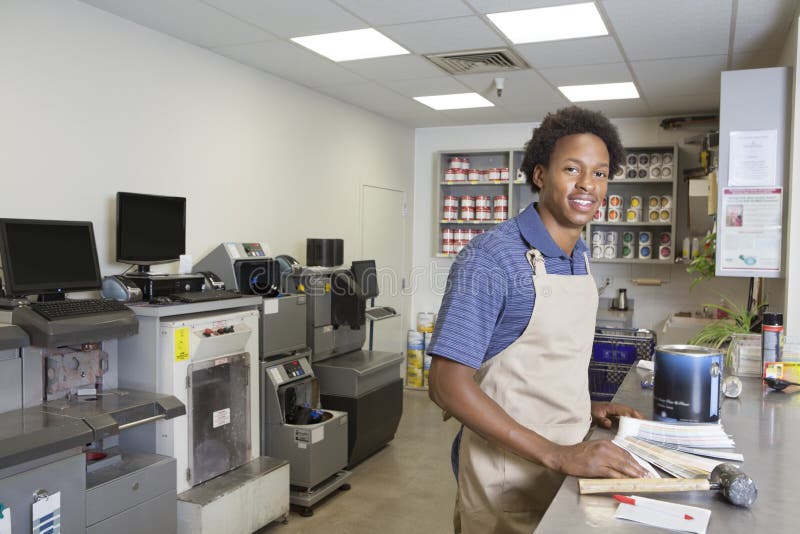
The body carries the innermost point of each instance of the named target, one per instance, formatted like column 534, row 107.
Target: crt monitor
column 366, row 276
column 150, row 228
column 44, row 257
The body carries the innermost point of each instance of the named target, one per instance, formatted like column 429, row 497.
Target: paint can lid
column 772, row 318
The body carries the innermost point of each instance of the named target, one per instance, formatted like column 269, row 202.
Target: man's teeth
column 583, row 202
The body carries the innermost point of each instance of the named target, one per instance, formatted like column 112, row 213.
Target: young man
column 514, row 335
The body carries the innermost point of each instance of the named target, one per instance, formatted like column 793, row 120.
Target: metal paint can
column 687, row 383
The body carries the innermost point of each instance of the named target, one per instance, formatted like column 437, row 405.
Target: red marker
column 630, row 500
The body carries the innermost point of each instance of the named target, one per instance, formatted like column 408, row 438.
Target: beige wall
column 92, row 104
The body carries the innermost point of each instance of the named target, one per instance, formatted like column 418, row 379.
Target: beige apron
column 541, row 380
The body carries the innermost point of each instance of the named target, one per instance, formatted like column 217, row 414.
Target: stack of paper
column 682, row 450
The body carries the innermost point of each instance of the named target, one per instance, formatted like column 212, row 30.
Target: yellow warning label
column 182, row 344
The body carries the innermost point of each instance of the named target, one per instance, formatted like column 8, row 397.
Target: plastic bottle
column 686, row 251
column 771, row 330
column 695, row 247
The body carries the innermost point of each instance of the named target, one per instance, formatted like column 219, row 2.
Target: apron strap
column 586, row 259
column 536, row 261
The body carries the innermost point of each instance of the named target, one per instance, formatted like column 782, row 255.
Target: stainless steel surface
column 766, row 427
column 144, row 309
column 224, row 484
column 136, row 478
column 357, row 373
column 31, row 433
column 74, row 330
column 115, row 410
column 12, row 337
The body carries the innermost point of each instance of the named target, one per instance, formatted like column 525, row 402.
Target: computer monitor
column 366, row 276
column 48, row 257
column 150, row 229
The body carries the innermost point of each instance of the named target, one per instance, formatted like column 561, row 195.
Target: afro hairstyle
column 570, row 121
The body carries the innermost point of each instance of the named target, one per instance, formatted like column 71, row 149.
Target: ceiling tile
column 373, row 97
column 290, row 18
column 619, row 108
column 464, row 33
column 521, row 88
column 587, row 74
column 385, row 12
column 674, row 28
column 479, row 116
column 188, row 20
column 762, row 24
column 589, row 51
column 394, row 68
column 755, row 60
column 687, row 104
column 682, row 76
column 499, row 6
column 283, row 58
column 441, row 85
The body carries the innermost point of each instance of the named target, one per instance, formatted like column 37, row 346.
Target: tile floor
column 407, row 487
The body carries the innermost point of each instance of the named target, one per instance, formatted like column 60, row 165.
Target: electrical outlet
column 608, row 280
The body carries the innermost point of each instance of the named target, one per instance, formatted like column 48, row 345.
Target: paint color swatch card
column 699, row 435
column 664, row 514
column 47, row 514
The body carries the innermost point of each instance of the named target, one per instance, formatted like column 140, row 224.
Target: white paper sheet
column 5, row 521
column 665, row 515
column 753, row 158
column 46, row 514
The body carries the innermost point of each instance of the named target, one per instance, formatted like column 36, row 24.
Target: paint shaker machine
column 293, row 425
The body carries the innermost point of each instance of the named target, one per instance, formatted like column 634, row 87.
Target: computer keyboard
column 375, row 314
column 204, row 296
column 63, row 309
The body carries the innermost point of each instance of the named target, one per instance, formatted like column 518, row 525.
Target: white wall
column 788, row 58
column 92, row 104
column 653, row 304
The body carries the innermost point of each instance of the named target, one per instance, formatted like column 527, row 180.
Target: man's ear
column 537, row 178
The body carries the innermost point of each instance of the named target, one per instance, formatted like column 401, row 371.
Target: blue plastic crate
column 613, row 352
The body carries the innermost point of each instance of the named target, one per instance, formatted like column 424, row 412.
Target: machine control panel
column 293, row 369
column 253, row 250
column 289, row 371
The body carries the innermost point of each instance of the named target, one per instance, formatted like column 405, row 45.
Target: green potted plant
column 703, row 265
column 720, row 333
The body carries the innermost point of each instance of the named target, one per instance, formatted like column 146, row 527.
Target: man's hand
column 595, row 458
column 603, row 411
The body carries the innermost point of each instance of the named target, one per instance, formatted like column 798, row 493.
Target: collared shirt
column 489, row 296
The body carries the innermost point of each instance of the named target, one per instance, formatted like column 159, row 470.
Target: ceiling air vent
column 477, row 61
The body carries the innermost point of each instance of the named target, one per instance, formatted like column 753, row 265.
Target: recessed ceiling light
column 550, row 23
column 455, row 101
column 350, row 45
column 600, row 91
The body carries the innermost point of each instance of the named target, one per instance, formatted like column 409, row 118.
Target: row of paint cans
column 455, row 239
column 606, row 244
column 687, row 383
column 475, row 208
column 496, row 174
column 612, row 209
column 459, row 162
column 645, row 165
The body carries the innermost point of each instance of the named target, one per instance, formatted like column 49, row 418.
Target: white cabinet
column 637, row 222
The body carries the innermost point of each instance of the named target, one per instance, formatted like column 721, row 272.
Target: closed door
column 383, row 239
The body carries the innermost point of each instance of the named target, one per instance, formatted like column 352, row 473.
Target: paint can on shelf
column 493, row 175
column 687, row 383
column 614, row 215
column 424, row 323
column 609, row 251
column 633, row 215
column 450, row 213
column 456, row 162
column 503, row 174
column 598, row 238
column 655, row 159
column 615, row 201
column 611, row 237
column 474, row 175
column 450, row 201
column 627, row 251
column 645, row 237
column 645, row 252
column 598, row 251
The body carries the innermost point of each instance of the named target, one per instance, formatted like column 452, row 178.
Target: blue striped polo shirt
column 489, row 296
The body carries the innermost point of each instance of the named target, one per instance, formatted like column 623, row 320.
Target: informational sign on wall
column 753, row 159
column 749, row 230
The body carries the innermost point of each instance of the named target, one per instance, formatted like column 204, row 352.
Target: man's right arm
column 452, row 386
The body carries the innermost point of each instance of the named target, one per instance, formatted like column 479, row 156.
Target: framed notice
column 749, row 232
